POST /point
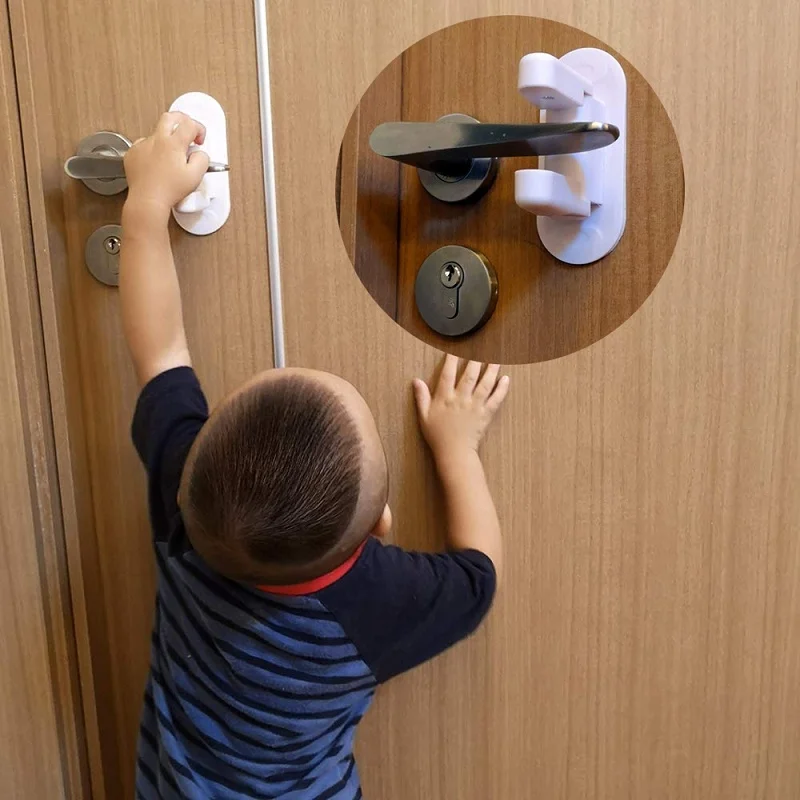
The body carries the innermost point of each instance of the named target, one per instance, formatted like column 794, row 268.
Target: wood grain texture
column 646, row 643
column 546, row 309
column 44, row 754
column 84, row 66
column 369, row 193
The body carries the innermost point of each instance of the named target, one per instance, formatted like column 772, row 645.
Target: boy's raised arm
column 159, row 176
column 454, row 418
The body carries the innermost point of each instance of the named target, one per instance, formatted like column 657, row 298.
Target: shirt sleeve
column 401, row 608
column 169, row 414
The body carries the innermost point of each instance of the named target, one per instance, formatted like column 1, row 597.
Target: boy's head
column 286, row 479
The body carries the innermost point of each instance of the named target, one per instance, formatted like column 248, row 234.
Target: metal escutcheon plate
column 477, row 178
column 453, row 304
column 107, row 143
column 102, row 254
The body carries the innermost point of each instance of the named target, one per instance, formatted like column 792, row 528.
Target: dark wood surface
column 369, row 193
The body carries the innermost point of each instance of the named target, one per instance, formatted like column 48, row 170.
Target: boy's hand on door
column 455, row 417
column 158, row 171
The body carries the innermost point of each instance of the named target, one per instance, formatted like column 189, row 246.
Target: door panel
column 41, row 725
column 85, row 66
column 646, row 642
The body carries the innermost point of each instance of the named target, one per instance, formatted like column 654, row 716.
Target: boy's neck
column 318, row 583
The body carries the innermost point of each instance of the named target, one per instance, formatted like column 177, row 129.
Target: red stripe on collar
column 317, row 584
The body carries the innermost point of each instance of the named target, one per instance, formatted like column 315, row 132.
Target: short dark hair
column 278, row 474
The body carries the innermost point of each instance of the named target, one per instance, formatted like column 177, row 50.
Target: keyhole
column 452, row 275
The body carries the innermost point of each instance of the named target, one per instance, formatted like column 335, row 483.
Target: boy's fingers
column 182, row 126
column 168, row 122
column 189, row 130
column 488, row 381
column 499, row 394
column 469, row 378
column 447, row 380
column 198, row 164
column 422, row 394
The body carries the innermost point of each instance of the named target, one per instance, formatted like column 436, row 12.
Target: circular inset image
column 404, row 193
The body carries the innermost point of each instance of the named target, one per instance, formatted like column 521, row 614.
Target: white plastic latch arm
column 205, row 210
column 579, row 199
column 549, row 193
column 548, row 82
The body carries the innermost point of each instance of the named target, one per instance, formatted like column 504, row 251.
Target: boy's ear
column 384, row 524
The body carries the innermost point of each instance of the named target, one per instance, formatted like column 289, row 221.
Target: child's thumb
column 422, row 394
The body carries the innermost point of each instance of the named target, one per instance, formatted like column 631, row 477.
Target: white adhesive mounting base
column 205, row 210
column 580, row 199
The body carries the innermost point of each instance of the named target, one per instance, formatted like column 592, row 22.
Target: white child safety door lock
column 579, row 198
column 206, row 209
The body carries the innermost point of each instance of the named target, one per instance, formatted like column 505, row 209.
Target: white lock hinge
column 579, row 199
column 205, row 210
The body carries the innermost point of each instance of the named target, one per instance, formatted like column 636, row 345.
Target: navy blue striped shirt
column 255, row 694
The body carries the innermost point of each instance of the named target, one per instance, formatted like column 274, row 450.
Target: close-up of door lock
column 99, row 164
column 578, row 192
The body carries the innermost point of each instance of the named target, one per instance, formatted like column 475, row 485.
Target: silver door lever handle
column 98, row 165
column 444, row 147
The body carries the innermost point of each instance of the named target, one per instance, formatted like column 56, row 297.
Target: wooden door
column 84, row 66
column 646, row 643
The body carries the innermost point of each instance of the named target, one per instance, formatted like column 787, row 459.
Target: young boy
column 278, row 609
